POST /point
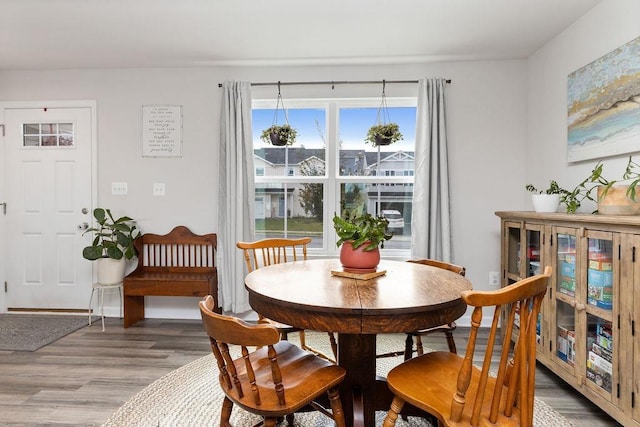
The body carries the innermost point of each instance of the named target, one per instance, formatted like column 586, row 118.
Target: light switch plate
column 158, row 189
column 119, row 188
column 494, row 278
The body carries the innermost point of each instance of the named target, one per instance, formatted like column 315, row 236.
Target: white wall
column 487, row 122
column 609, row 25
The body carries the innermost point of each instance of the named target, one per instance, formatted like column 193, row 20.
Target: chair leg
column 419, row 348
column 451, row 342
column 225, row 414
column 408, row 347
column 336, row 407
column 334, row 345
column 289, row 419
column 392, row 415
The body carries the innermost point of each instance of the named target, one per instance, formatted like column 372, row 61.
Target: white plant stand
column 100, row 288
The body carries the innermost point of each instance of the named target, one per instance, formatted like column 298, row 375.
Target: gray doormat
column 29, row 332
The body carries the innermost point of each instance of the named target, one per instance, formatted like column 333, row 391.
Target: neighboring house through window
column 331, row 169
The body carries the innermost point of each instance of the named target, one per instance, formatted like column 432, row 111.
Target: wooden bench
column 179, row 263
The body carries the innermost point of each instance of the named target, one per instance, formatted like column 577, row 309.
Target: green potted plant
column 279, row 135
column 360, row 236
column 546, row 200
column 613, row 196
column 383, row 134
column 112, row 244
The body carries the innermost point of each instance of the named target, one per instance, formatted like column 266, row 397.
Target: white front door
column 48, row 191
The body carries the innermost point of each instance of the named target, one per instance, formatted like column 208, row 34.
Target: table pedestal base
column 359, row 387
column 363, row 392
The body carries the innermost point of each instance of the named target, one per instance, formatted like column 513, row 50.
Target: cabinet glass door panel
column 565, row 329
column 599, row 301
column 532, row 258
column 599, row 351
column 600, row 274
column 565, row 334
column 514, row 250
column 566, row 262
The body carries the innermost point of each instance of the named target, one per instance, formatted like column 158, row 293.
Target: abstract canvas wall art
column 604, row 105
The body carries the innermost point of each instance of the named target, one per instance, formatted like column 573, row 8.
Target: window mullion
column 331, row 190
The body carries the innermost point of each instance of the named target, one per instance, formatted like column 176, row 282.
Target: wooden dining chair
column 446, row 329
column 275, row 380
column 456, row 391
column 275, row 251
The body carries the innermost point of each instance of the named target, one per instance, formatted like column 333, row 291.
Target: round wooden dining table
column 407, row 297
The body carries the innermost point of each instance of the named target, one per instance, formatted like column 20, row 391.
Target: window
column 331, row 169
column 47, row 134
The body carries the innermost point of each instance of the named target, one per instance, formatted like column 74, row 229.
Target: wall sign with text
column 162, row 131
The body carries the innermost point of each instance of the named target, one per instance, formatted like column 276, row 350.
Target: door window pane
column 47, row 134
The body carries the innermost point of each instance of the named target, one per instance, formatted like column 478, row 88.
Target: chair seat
column 430, row 375
column 307, row 378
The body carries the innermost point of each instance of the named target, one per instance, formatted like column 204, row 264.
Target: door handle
column 4, row 207
column 83, row 227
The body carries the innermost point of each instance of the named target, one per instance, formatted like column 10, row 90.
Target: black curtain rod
column 334, row 82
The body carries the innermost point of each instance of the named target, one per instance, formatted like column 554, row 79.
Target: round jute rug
column 191, row 396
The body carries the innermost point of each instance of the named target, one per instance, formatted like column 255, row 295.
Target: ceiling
column 58, row 34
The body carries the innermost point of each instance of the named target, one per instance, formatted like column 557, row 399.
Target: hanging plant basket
column 279, row 135
column 276, row 140
column 383, row 140
column 383, row 132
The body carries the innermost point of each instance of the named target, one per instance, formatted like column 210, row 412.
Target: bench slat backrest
column 178, row 251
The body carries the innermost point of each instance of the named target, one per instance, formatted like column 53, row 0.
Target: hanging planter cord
column 383, row 110
column 281, row 103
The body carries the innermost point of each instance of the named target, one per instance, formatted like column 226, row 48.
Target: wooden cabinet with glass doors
column 587, row 325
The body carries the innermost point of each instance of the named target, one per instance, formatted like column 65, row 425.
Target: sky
column 354, row 124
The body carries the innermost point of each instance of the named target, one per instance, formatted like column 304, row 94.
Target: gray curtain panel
column 431, row 220
column 236, row 193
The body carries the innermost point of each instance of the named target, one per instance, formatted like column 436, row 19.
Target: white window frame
column 332, row 181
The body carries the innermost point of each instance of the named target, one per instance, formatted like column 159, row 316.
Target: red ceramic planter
column 358, row 260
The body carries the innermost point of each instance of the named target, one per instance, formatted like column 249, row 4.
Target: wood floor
column 82, row 378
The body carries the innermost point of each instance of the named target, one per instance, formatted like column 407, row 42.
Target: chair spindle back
column 273, row 251
column 224, row 331
column 519, row 303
